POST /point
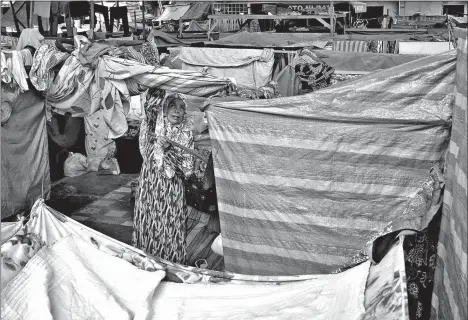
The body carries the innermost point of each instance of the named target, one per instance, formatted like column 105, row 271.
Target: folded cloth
column 29, row 37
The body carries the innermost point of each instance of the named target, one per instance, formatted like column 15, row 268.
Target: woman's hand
column 164, row 141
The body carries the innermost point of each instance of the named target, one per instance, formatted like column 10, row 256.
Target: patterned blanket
column 305, row 182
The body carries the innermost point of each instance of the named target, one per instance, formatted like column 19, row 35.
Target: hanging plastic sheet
column 25, row 163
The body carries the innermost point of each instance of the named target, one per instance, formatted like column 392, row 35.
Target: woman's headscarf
column 180, row 133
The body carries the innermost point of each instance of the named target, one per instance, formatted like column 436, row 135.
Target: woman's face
column 175, row 111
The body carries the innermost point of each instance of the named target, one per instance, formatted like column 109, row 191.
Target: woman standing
column 160, row 209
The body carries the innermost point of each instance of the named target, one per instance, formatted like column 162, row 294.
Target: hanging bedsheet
column 250, row 67
column 304, row 182
column 58, row 269
column 25, row 155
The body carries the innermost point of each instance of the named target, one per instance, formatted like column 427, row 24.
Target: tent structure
column 197, row 11
column 173, row 12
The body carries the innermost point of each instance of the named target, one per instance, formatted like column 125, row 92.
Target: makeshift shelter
column 358, row 157
column 173, row 12
column 65, row 257
column 164, row 40
column 197, row 11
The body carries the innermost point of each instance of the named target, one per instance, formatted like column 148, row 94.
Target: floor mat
column 112, row 215
column 73, row 193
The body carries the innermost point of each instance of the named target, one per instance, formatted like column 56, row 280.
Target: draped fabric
column 350, row 46
column 25, row 156
column 82, row 90
column 449, row 300
column 304, row 182
column 365, row 292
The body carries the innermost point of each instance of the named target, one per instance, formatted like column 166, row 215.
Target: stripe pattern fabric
column 449, row 300
column 304, row 182
column 350, row 46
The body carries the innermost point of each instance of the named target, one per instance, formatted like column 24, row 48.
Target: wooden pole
column 134, row 18
column 92, row 22
column 31, row 14
column 181, row 26
column 143, row 20
column 332, row 18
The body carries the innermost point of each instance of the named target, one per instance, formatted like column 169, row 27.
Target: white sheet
column 424, row 47
column 250, row 68
column 327, row 297
column 74, row 280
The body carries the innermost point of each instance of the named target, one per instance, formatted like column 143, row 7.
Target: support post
column 143, row 20
column 31, row 14
column 332, row 18
column 135, row 20
column 92, row 22
column 181, row 27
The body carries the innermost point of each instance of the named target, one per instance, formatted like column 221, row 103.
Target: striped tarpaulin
column 449, row 300
column 350, row 46
column 304, row 182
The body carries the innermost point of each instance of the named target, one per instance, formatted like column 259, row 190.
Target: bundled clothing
column 160, row 208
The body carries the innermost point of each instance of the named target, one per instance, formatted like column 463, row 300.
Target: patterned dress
column 160, row 209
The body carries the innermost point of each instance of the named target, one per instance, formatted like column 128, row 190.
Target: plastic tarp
column 197, row 10
column 269, row 40
column 385, row 31
column 25, row 155
column 363, row 61
column 450, row 281
column 195, row 26
column 363, row 292
column 420, row 47
column 303, row 183
column 163, row 39
column 250, row 67
column 173, row 12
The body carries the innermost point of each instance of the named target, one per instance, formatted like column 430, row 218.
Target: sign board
column 309, row 8
column 359, row 7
